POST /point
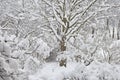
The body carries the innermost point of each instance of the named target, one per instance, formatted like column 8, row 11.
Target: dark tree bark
column 63, row 62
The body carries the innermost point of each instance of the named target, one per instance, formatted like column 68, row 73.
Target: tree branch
column 76, row 29
column 88, row 7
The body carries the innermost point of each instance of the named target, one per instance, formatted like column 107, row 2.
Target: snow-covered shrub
column 43, row 48
column 31, row 65
column 108, row 51
column 96, row 71
column 9, row 61
column 29, row 53
column 8, row 66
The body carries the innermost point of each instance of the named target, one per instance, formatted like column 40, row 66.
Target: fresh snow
column 59, row 40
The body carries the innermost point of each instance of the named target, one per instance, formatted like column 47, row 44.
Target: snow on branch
column 56, row 16
column 75, row 3
column 47, row 2
column 88, row 7
column 51, row 27
column 76, row 29
column 83, row 22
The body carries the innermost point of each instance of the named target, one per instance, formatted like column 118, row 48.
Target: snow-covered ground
column 59, row 40
column 77, row 71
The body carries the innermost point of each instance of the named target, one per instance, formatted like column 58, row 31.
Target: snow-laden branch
column 76, row 29
column 29, row 33
column 88, row 7
column 51, row 27
column 56, row 16
column 55, row 32
column 47, row 2
column 75, row 3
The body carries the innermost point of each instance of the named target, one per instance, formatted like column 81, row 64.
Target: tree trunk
column 62, row 49
column 62, row 46
column 113, row 33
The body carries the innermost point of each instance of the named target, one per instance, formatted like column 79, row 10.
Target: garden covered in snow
column 59, row 39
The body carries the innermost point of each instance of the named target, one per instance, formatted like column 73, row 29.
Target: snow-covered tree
column 67, row 18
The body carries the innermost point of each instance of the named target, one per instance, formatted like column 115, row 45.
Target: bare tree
column 69, row 17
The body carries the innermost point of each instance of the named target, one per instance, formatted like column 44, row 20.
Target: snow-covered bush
column 9, row 66
column 31, row 65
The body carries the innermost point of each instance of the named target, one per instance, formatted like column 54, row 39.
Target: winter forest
column 59, row 39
